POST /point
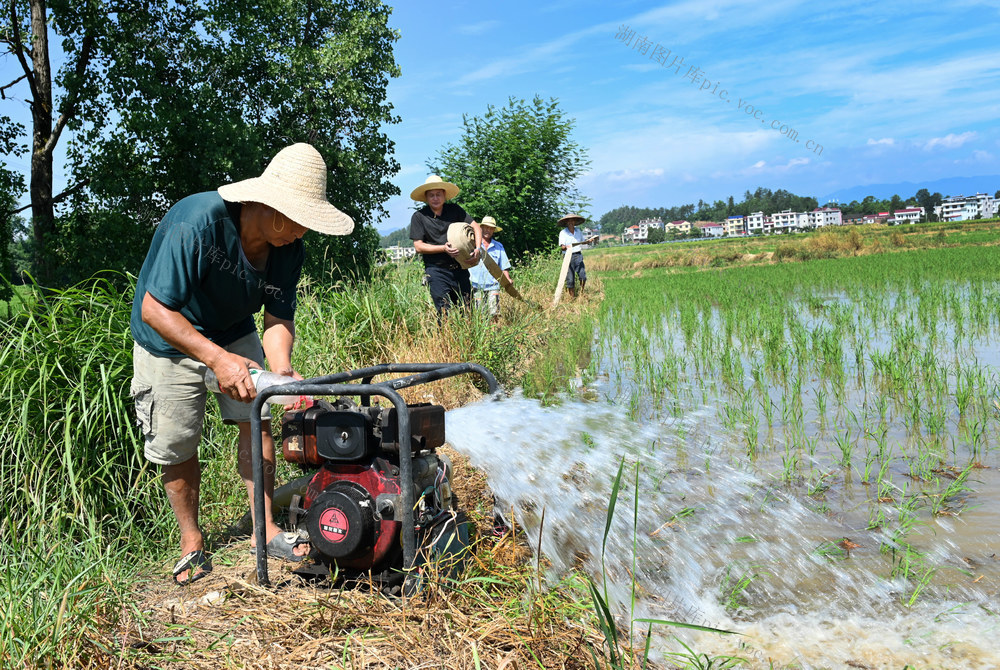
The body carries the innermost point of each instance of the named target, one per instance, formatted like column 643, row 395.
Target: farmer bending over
column 215, row 259
column 447, row 279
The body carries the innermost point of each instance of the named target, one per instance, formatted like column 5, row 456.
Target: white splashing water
column 701, row 517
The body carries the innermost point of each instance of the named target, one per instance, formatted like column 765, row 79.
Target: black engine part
column 341, row 521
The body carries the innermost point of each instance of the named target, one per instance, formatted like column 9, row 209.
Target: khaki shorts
column 170, row 396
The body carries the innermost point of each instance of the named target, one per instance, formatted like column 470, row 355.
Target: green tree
column 26, row 37
column 11, row 187
column 180, row 97
column 518, row 164
column 928, row 201
column 895, row 203
column 656, row 235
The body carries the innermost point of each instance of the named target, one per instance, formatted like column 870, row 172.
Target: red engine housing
column 354, row 523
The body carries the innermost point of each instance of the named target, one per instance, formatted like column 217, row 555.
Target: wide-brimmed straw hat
column 491, row 222
column 294, row 183
column 431, row 183
column 571, row 217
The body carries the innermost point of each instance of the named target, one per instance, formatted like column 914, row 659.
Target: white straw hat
column 294, row 183
column 431, row 183
column 571, row 217
column 491, row 222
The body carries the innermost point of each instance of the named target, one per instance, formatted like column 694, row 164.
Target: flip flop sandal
column 283, row 546
column 195, row 560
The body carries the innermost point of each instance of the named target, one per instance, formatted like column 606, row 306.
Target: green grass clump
column 77, row 498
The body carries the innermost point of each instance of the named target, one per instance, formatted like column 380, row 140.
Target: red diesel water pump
column 378, row 502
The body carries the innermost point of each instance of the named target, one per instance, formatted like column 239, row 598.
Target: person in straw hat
column 447, row 250
column 215, row 259
column 484, row 285
column 571, row 241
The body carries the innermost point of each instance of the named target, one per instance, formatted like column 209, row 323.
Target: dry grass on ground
column 484, row 620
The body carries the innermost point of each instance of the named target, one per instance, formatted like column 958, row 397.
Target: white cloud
column 887, row 141
column 478, row 28
column 797, row 161
column 528, row 60
column 758, row 165
column 698, row 16
column 949, row 141
column 982, row 155
column 633, row 175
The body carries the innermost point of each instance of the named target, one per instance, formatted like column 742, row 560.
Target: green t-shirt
column 196, row 266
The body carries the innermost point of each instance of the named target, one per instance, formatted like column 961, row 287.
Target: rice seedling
column 952, row 498
column 734, row 583
column 831, row 550
column 843, row 441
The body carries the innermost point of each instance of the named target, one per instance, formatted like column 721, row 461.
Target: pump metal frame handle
column 334, row 385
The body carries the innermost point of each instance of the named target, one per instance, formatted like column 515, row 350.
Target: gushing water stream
column 721, row 543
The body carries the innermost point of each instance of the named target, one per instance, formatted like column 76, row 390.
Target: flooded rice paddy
column 808, row 456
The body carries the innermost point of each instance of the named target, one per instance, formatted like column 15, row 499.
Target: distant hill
column 397, row 238
column 950, row 186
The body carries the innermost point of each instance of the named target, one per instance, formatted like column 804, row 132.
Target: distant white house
column 649, row 224
column 712, row 229
column 639, row 233
column 961, row 208
column 788, row 221
column 397, row 254
column 881, row 217
column 908, row 215
column 825, row 216
column 755, row 223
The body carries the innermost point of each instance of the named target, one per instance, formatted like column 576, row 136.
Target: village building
column 908, row 215
column 962, row 208
column 397, row 253
column 712, row 229
column 639, row 233
column 680, row 227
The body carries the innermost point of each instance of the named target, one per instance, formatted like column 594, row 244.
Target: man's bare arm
column 230, row 369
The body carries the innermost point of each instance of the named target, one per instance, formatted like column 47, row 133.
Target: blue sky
column 891, row 91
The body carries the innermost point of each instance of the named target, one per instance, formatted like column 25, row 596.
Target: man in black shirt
column 447, row 280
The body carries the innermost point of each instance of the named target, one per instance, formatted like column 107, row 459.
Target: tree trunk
column 42, row 210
